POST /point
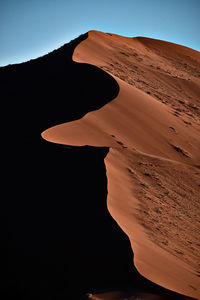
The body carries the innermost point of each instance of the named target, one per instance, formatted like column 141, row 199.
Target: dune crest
column 152, row 130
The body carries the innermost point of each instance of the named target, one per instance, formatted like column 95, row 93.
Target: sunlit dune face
column 152, row 129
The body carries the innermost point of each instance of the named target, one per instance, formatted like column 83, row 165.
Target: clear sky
column 31, row 28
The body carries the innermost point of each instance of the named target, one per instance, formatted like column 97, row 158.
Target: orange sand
column 153, row 165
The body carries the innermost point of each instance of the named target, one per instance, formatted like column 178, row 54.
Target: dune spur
column 152, row 166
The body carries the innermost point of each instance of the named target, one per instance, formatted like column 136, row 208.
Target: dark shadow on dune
column 62, row 242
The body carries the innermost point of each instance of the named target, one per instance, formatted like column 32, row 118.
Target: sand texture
column 152, row 129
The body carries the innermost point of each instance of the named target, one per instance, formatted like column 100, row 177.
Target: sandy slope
column 153, row 166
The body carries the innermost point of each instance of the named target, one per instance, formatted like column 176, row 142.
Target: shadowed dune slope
column 152, row 128
column 45, row 228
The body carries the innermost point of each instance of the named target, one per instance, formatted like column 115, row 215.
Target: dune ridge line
column 152, row 130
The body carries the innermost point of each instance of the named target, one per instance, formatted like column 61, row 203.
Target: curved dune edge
column 151, row 169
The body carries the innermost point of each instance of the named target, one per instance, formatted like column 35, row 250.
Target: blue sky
column 31, row 28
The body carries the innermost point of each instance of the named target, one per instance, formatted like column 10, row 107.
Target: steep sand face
column 152, row 129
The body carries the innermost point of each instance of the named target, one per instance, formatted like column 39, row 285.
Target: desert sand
column 153, row 165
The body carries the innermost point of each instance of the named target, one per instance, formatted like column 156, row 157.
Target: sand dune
column 152, row 129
